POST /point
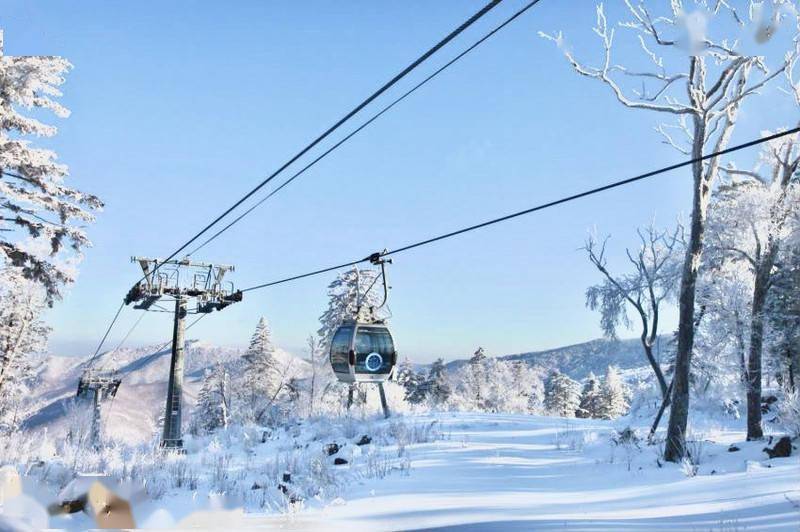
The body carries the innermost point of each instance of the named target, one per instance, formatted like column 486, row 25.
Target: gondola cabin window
column 340, row 349
column 374, row 350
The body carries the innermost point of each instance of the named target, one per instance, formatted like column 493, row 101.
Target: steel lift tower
column 180, row 281
column 98, row 386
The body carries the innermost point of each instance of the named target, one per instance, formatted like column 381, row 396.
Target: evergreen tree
column 436, row 386
column 562, row 395
column 35, row 202
column 262, row 377
column 411, row 381
column 590, row 398
column 344, row 295
column 214, row 401
column 613, row 401
column 476, row 379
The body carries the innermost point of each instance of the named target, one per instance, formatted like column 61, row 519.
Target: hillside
column 134, row 413
column 579, row 360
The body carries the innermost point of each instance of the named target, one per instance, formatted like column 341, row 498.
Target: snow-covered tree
column 724, row 295
column 262, row 376
column 653, row 279
column 476, row 379
column 524, row 391
column 349, row 291
column 589, row 406
column 751, row 217
column 412, row 382
column 22, row 335
column 562, row 395
column 321, row 380
column 42, row 219
column 437, row 388
column 699, row 76
column 613, row 396
column 214, row 401
column 783, row 311
column 404, row 373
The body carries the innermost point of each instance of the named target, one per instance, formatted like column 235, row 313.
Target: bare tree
column 705, row 99
column 748, row 225
column 653, row 279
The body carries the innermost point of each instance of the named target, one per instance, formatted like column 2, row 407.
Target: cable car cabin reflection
column 362, row 352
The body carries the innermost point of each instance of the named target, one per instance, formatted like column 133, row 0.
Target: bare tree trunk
column 754, row 431
column 648, row 348
column 675, row 448
column 760, row 289
column 662, row 382
column 741, row 347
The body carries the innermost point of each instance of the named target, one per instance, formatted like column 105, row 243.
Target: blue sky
column 178, row 108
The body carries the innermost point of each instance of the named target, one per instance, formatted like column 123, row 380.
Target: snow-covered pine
column 411, row 381
column 590, row 398
column 613, row 396
column 43, row 218
column 262, row 376
column 404, row 373
column 524, row 391
column 436, row 386
column 213, row 401
column 475, row 380
column 22, row 334
column 345, row 293
column 562, row 395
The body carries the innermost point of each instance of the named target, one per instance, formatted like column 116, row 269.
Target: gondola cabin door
column 363, row 352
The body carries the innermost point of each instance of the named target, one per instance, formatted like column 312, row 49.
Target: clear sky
column 180, row 107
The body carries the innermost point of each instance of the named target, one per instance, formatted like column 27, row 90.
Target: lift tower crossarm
column 202, row 281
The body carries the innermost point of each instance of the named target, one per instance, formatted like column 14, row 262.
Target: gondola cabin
column 363, row 352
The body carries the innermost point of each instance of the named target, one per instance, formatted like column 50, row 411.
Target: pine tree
column 437, row 388
column 476, row 379
column 262, row 377
column 35, row 202
column 613, row 401
column 213, row 401
column 411, row 382
column 344, row 295
column 562, row 395
column 590, row 398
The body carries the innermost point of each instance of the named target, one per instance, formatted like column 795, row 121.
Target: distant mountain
column 579, row 360
column 133, row 415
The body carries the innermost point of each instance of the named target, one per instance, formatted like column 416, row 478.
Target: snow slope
column 133, row 415
column 515, row 472
column 507, row 472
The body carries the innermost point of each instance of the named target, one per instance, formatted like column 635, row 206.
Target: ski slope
column 507, row 472
column 514, row 472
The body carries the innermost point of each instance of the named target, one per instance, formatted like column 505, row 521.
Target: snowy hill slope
column 592, row 356
column 481, row 472
column 133, row 415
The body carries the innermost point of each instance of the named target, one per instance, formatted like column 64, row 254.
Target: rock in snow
column 782, row 449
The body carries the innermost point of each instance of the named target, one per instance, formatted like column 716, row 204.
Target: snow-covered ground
column 504, row 472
